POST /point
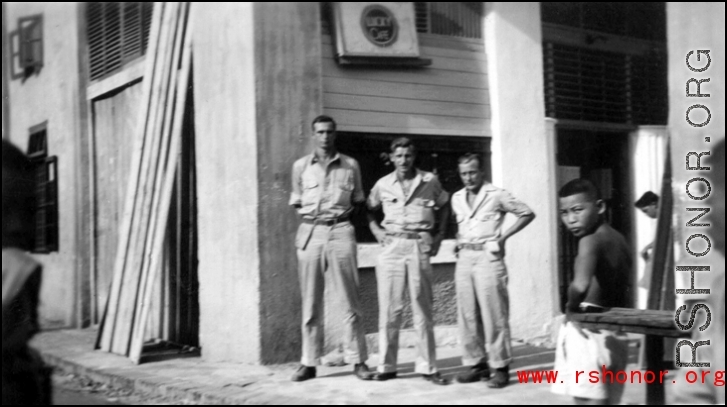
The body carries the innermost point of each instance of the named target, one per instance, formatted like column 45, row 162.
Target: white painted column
column 523, row 161
column 227, row 182
column 257, row 78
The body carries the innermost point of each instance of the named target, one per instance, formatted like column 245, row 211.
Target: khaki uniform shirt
column 483, row 222
column 415, row 212
column 326, row 192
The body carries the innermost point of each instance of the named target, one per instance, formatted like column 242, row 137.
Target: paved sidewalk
column 193, row 380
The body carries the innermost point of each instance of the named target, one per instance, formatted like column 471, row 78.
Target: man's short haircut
column 649, row 198
column 403, row 142
column 472, row 156
column 580, row 186
column 323, row 119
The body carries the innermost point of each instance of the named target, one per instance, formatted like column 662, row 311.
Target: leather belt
column 471, row 246
column 404, row 235
column 326, row 222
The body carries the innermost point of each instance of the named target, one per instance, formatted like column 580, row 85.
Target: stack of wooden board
column 153, row 169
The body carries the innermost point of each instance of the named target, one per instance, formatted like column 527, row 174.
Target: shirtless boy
column 602, row 273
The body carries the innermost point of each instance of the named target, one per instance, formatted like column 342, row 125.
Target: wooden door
column 175, row 312
column 115, row 118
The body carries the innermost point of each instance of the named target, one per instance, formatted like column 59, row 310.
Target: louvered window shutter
column 457, row 19
column 117, row 35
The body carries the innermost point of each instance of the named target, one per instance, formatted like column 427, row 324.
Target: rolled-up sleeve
column 374, row 201
column 295, row 195
column 358, row 192
column 508, row 203
column 442, row 196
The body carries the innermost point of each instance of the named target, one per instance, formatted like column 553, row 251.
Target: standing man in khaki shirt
column 481, row 275
column 415, row 215
column 327, row 189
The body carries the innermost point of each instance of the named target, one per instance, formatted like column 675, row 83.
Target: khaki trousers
column 329, row 249
column 483, row 309
column 405, row 262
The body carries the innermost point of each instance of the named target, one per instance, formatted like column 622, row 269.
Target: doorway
column 601, row 156
column 173, row 322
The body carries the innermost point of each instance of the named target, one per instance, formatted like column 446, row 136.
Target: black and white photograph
column 363, row 203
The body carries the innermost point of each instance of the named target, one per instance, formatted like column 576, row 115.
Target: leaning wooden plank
column 130, row 287
column 130, row 275
column 156, row 255
column 154, row 184
column 663, row 236
column 114, row 298
column 160, row 227
column 108, row 321
column 146, row 157
column 167, row 112
column 120, row 341
column 155, row 176
column 163, row 126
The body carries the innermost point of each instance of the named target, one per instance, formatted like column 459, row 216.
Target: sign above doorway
column 377, row 33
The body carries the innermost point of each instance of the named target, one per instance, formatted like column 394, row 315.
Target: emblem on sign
column 379, row 25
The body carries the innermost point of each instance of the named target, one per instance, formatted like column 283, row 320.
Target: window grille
column 118, row 34
column 460, row 19
column 454, row 19
column 599, row 86
column 642, row 20
column 598, row 82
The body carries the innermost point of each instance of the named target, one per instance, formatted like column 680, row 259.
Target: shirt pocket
column 392, row 208
column 488, row 217
column 422, row 212
column 342, row 187
column 311, row 191
column 486, row 224
column 343, row 195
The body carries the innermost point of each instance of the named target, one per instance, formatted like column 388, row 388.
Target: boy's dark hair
column 580, row 186
column 323, row 119
column 472, row 156
column 649, row 198
column 403, row 142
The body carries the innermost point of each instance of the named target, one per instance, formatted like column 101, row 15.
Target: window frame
column 46, row 223
column 24, row 59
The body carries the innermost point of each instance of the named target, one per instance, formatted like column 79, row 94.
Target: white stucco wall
column 523, row 161
column 53, row 96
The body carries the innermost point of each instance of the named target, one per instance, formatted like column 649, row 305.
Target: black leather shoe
column 480, row 372
column 304, row 373
column 500, row 379
column 362, row 372
column 436, row 378
column 382, row 377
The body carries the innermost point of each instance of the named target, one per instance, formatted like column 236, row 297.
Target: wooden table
column 655, row 324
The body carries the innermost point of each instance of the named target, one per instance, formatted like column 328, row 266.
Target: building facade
column 541, row 89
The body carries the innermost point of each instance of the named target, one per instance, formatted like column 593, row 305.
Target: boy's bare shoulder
column 613, row 238
column 606, row 244
column 588, row 243
column 601, row 241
